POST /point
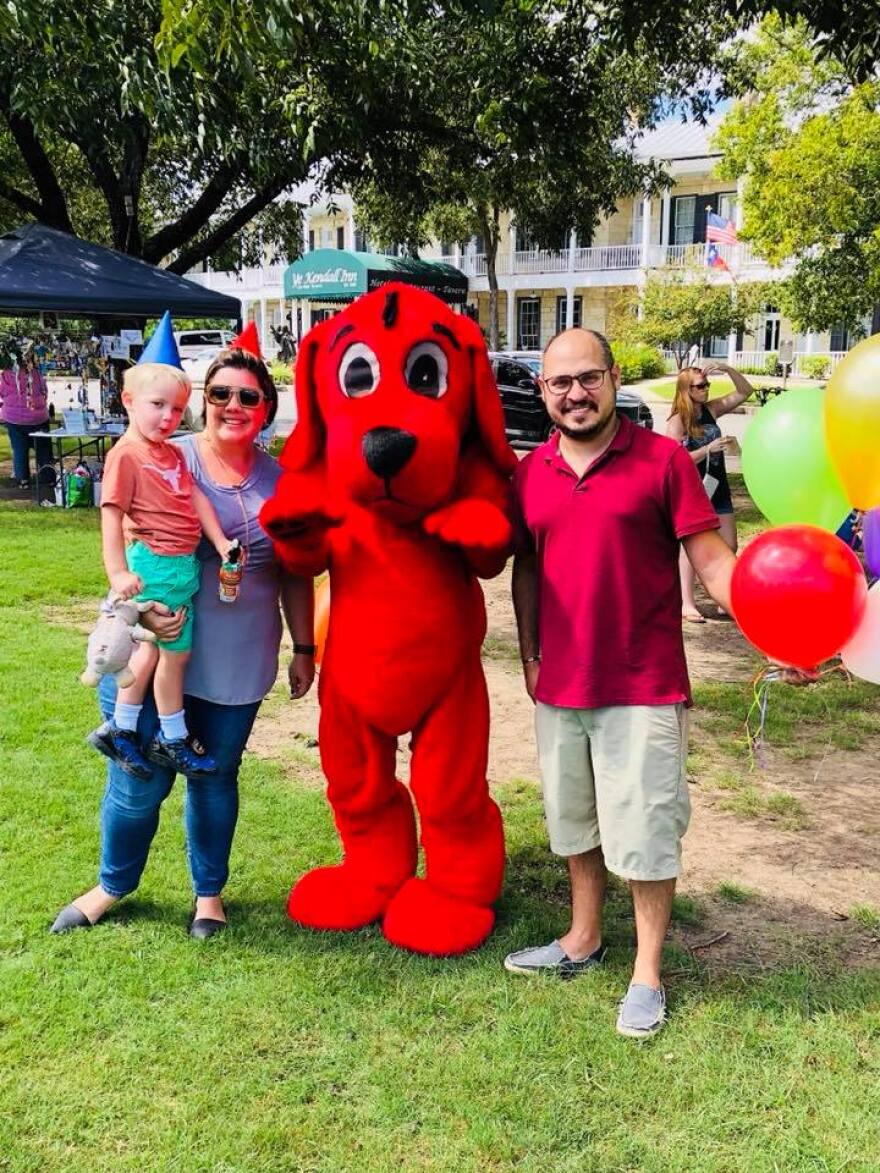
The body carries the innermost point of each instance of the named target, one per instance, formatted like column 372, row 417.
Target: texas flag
column 714, row 259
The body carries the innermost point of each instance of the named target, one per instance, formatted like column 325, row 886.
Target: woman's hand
column 300, row 673
column 164, row 622
column 718, row 445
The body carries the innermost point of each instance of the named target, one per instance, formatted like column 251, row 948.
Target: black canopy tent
column 42, row 269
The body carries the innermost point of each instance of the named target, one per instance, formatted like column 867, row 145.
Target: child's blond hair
column 142, row 376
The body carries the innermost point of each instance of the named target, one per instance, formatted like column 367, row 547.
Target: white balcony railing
column 758, row 359
column 267, row 280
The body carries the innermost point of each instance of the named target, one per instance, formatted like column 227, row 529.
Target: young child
column 152, row 517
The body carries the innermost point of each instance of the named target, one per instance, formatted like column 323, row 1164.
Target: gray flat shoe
column 642, row 1011
column 552, row 959
column 70, row 918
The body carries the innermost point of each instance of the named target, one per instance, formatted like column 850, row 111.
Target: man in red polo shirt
column 603, row 506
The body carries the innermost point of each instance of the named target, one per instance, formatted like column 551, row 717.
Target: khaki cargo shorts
column 615, row 778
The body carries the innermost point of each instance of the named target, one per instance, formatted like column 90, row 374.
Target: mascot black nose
column 387, row 450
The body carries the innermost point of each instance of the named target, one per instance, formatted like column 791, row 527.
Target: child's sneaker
column 121, row 746
column 186, row 756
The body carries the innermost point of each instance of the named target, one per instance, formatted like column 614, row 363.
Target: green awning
column 337, row 275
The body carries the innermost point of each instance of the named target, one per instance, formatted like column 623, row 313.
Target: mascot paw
column 471, row 523
column 336, row 898
column 425, row 920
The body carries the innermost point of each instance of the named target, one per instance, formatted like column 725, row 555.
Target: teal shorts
column 172, row 579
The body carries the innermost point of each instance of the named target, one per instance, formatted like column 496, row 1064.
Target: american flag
column 714, row 259
column 719, row 230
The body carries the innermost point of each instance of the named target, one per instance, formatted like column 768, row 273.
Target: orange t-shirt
column 152, row 486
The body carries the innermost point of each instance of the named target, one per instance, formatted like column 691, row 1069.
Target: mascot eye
column 358, row 371
column 426, row 370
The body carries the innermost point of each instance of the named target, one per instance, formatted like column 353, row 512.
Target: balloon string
column 756, row 718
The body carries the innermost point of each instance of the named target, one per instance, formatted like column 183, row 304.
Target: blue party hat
column 162, row 347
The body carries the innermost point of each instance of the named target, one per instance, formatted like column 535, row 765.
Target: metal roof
column 675, row 139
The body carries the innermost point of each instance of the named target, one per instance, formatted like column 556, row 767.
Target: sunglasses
column 219, row 395
column 704, row 386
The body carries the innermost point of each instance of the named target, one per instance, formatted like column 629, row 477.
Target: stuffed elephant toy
column 113, row 640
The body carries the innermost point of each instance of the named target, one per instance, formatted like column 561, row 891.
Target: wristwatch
column 304, row 649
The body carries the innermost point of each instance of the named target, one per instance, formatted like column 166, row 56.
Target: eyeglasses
column 588, row 380
column 219, row 395
column 704, row 386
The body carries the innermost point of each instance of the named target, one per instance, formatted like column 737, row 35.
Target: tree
column 681, row 308
column 540, row 105
column 808, row 141
column 163, row 139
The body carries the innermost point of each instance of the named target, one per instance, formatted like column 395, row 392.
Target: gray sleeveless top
column 234, row 658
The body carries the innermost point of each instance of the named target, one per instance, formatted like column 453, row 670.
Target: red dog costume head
column 397, row 479
column 389, row 394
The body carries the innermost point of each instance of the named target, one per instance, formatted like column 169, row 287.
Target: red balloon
column 798, row 594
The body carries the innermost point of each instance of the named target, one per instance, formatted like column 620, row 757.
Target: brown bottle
column 230, row 574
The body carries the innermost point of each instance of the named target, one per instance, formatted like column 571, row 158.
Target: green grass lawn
column 131, row 1047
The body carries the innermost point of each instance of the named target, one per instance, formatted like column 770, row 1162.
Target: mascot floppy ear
column 488, row 415
column 306, row 442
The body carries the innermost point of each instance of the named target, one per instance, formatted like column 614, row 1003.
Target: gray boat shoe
column 553, row 959
column 642, row 1011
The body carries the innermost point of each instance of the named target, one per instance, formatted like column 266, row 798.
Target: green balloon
column 786, row 465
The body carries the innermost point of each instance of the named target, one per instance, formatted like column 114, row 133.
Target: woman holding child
column 231, row 666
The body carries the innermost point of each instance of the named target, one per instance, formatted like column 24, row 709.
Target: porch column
column 511, row 318
column 264, row 321
column 740, row 192
column 811, row 342
column 351, row 229
column 666, row 217
column 306, row 315
column 511, row 247
column 646, row 231
column 731, row 346
column 569, row 305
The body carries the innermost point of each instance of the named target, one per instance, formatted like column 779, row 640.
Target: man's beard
column 586, row 430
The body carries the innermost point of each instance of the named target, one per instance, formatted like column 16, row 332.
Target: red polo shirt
column 609, row 599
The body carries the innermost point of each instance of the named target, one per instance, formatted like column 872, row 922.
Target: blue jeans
column 20, row 442
column 130, row 807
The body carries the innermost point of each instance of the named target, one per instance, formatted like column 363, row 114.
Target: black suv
column 525, row 417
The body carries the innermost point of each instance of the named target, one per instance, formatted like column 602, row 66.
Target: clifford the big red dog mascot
column 396, row 479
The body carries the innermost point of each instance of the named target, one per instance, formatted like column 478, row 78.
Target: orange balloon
column 852, row 423
column 322, row 618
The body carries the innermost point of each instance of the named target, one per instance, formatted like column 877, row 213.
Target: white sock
column 173, row 726
column 126, row 716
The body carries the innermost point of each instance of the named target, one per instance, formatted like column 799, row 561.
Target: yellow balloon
column 852, row 423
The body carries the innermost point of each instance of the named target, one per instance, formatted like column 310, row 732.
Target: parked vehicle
column 193, row 343
column 525, row 417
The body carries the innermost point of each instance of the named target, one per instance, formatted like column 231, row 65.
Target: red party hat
column 248, row 340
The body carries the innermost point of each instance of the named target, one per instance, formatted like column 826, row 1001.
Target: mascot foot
column 336, row 898
column 425, row 920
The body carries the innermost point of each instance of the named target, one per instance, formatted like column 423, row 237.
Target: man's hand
column 531, row 671
column 163, row 622
column 300, row 674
